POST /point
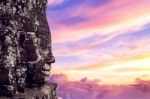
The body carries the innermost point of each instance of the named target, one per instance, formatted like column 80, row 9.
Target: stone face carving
column 25, row 46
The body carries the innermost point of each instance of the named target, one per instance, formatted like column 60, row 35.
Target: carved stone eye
column 43, row 43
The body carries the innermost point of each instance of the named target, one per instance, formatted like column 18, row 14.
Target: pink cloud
column 91, row 89
column 113, row 18
column 54, row 1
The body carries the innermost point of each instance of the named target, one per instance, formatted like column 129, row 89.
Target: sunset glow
column 106, row 40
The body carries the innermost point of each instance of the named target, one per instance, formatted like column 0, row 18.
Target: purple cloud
column 91, row 89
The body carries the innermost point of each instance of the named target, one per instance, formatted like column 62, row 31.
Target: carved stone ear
column 30, row 48
column 21, row 38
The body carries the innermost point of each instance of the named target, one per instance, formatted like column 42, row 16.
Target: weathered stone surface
column 48, row 91
column 25, row 46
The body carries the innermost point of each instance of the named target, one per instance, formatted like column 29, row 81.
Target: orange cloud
column 108, row 70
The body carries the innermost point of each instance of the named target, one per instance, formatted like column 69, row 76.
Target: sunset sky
column 107, row 40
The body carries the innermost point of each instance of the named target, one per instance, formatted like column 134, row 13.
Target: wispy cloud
column 78, row 20
column 55, row 2
column 93, row 37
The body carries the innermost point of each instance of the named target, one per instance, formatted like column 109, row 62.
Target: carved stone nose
column 50, row 60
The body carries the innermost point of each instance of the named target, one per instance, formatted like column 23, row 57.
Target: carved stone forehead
column 35, row 2
column 12, row 6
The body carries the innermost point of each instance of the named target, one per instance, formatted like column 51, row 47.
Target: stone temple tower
column 25, row 50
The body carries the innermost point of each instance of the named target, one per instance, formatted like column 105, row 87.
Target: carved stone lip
column 46, row 67
column 46, row 73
